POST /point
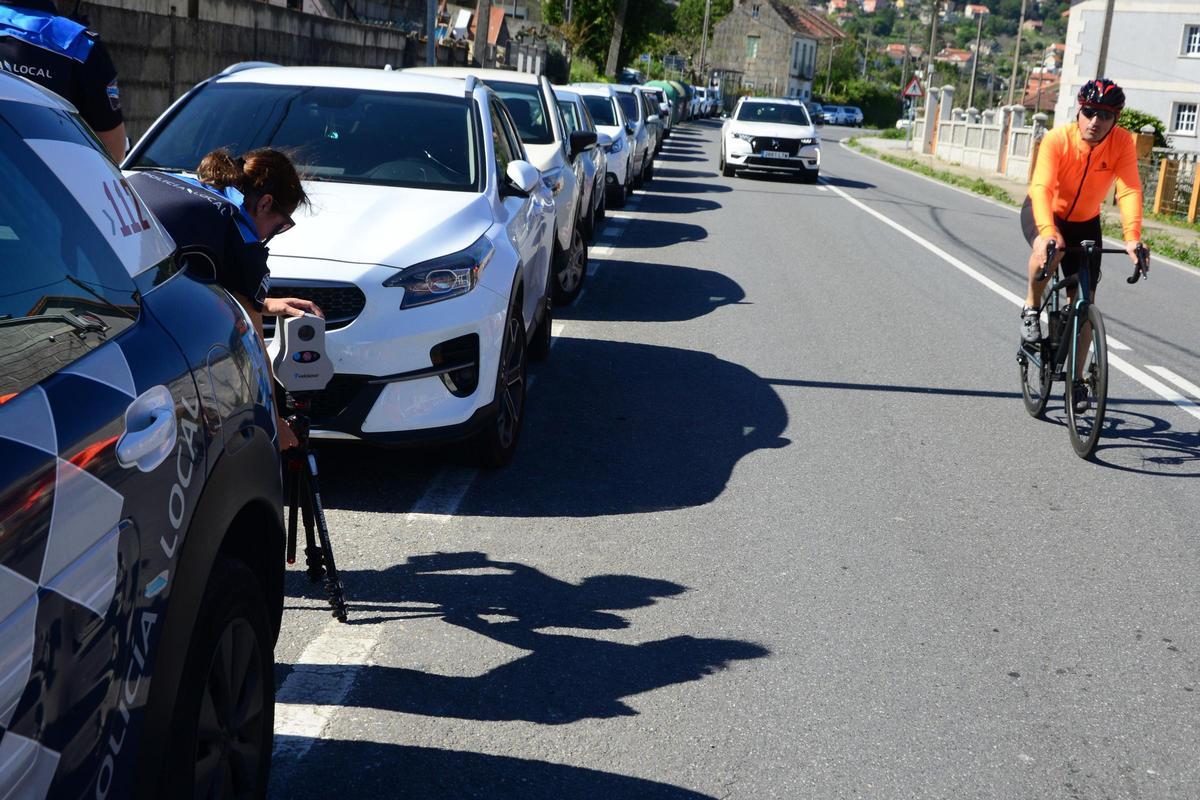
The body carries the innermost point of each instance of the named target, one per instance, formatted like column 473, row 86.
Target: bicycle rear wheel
column 1085, row 426
column 1035, row 382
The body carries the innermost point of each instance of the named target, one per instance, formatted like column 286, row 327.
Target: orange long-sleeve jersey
column 1072, row 178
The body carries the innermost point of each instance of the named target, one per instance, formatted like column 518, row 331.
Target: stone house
column 773, row 44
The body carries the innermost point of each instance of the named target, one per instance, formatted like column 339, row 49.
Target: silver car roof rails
column 242, row 66
column 471, row 84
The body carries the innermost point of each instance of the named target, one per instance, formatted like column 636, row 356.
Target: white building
column 1153, row 52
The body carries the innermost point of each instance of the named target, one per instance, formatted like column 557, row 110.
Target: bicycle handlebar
column 1142, row 270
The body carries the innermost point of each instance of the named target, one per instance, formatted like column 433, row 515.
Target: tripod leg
column 313, row 556
column 293, row 502
column 333, row 581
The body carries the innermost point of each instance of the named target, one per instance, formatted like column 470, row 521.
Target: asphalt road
column 779, row 527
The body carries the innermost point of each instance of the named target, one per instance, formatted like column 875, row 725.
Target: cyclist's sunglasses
column 288, row 223
column 1103, row 113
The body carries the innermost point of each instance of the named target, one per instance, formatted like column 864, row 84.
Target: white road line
column 1138, row 375
column 442, row 497
column 1155, row 259
column 1117, row 344
column 1182, row 383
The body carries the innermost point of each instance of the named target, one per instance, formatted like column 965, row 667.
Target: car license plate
column 775, row 154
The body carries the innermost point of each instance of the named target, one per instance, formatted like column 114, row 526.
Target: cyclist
column 1077, row 165
column 222, row 221
column 65, row 57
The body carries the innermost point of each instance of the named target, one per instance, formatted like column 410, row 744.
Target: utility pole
column 1012, row 86
column 430, row 31
column 614, row 47
column 975, row 62
column 907, row 51
column 937, row 4
column 1102, row 62
column 704, row 41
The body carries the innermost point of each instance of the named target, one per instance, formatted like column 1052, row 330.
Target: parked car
column 852, row 115
column 674, row 95
column 654, row 126
column 659, row 97
column 595, row 159
column 142, row 553
column 530, row 99
column 817, row 113
column 640, row 137
column 695, row 102
column 770, row 133
column 428, row 245
column 707, row 102
column 601, row 102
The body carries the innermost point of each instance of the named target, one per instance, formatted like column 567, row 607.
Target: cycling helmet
column 1102, row 92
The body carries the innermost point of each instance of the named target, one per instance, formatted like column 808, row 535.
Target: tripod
column 304, row 500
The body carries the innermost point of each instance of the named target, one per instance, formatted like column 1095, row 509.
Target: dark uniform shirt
column 63, row 56
column 212, row 229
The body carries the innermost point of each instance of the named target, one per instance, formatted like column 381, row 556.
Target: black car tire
column 496, row 444
column 569, row 269
column 230, row 653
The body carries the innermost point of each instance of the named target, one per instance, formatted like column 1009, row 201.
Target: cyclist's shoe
column 1079, row 396
column 1031, row 327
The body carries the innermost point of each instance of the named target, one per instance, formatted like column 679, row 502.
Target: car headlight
column 553, row 179
column 806, row 142
column 745, row 137
column 615, row 147
column 442, row 278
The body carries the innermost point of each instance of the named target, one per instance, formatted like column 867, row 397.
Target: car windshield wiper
column 123, row 312
column 78, row 323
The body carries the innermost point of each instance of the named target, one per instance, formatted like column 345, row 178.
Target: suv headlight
column 615, row 147
column 745, row 137
column 807, row 141
column 442, row 278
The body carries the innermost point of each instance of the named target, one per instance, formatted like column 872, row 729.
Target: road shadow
column 679, row 158
column 654, row 203
column 1145, row 444
column 845, row 183
column 620, row 428
column 668, row 172
column 686, row 187
column 658, row 233
column 388, row 771
column 635, row 291
column 562, row 678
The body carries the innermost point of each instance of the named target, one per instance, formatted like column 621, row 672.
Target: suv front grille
column 789, row 146
column 341, row 302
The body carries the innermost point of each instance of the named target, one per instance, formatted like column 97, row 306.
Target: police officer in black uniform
column 68, row 59
column 222, row 220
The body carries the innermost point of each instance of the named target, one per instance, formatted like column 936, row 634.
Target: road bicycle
column 1059, row 355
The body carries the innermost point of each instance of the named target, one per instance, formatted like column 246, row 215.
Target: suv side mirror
column 629, row 129
column 520, row 179
column 580, row 141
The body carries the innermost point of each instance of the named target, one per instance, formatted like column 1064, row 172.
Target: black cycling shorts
column 1073, row 233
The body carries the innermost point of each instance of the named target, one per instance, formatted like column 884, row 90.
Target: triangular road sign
column 913, row 89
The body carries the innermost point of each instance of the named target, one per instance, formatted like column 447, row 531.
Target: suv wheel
column 497, row 442
column 570, row 268
column 223, row 726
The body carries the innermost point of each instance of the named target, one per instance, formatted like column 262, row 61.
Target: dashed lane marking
column 1180, row 382
column 1117, row 344
column 1151, row 383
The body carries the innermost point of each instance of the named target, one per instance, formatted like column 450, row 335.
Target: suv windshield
column 601, row 109
column 335, row 134
column 784, row 113
column 527, row 109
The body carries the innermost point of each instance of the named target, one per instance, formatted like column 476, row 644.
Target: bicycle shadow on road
column 563, row 678
column 384, row 771
column 1145, row 444
column 634, row 291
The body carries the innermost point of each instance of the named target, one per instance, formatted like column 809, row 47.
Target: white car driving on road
column 427, row 243
column 770, row 133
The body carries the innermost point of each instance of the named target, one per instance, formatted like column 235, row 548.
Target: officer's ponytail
column 262, row 171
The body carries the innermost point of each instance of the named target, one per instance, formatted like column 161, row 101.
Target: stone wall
column 162, row 49
column 768, row 71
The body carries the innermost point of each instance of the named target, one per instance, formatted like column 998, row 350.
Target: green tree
column 689, row 16
column 592, row 21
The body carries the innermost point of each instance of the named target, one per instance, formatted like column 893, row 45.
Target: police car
column 141, row 539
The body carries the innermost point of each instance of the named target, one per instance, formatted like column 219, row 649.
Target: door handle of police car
column 150, row 430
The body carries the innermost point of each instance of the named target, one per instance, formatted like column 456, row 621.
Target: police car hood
column 395, row 227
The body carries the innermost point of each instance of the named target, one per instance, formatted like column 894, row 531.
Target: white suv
column 601, row 102
column 770, row 133
column 427, row 244
column 533, row 106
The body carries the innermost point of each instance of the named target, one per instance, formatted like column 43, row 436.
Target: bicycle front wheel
column 1035, row 382
column 1085, row 423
